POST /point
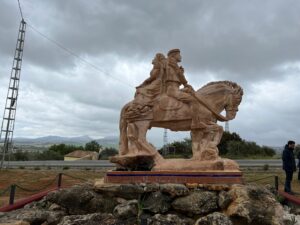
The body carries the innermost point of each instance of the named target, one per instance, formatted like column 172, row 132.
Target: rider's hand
column 189, row 88
column 181, row 69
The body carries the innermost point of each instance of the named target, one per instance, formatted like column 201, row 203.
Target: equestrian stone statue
column 166, row 100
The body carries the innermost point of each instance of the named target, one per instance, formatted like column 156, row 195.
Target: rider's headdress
column 173, row 51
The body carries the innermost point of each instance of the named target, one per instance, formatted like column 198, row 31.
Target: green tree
column 231, row 145
column 20, row 156
column 92, row 146
column 227, row 137
column 179, row 148
column 268, row 151
column 49, row 155
column 64, row 149
column 297, row 150
column 108, row 152
column 242, row 149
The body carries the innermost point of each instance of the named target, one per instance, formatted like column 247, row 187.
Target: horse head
column 234, row 99
column 223, row 95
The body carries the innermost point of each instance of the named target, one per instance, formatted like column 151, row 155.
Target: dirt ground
column 32, row 180
column 259, row 176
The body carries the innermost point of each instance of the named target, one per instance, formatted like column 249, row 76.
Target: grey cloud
column 87, row 87
column 53, row 115
column 239, row 37
column 9, row 24
column 246, row 42
column 269, row 114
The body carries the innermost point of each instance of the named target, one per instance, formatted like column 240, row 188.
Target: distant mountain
column 110, row 141
column 53, row 140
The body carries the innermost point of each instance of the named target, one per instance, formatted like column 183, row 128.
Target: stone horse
column 167, row 112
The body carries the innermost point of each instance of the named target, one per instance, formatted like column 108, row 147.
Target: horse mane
column 234, row 87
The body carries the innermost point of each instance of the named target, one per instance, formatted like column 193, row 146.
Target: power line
column 20, row 9
column 77, row 56
column 71, row 52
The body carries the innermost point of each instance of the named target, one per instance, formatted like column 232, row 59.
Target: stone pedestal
column 193, row 164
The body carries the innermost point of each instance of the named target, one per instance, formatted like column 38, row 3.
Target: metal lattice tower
column 227, row 126
column 9, row 115
column 165, row 149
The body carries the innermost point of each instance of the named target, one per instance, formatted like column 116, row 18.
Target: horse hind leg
column 145, row 146
column 123, row 142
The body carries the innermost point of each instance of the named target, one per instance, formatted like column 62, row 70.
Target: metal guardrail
column 60, row 163
column 107, row 164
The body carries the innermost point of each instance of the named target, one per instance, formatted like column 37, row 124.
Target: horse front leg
column 205, row 141
column 196, row 137
column 213, row 136
column 218, row 134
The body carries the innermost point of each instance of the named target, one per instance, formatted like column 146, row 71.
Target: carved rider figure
column 149, row 91
column 151, row 87
column 174, row 78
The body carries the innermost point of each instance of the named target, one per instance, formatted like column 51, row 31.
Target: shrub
column 266, row 167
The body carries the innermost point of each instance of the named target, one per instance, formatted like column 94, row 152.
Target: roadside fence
column 53, row 184
column 9, row 192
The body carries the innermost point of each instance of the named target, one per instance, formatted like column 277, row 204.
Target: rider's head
column 175, row 53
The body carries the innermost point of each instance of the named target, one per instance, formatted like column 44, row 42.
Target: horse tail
column 123, row 143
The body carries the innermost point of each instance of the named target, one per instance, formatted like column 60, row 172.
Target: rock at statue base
column 15, row 222
column 133, row 162
column 152, row 204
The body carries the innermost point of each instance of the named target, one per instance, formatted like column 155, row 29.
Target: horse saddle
column 169, row 103
column 169, row 108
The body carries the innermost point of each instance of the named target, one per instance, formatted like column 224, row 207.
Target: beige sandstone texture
column 166, row 100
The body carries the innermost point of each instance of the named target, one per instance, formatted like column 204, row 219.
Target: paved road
column 261, row 162
column 57, row 163
column 107, row 164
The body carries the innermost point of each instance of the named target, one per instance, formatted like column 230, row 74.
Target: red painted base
column 290, row 198
column 184, row 177
column 20, row 203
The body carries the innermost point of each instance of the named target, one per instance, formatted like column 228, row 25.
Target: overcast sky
column 254, row 43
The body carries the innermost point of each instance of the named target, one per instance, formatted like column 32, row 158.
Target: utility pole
column 227, row 126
